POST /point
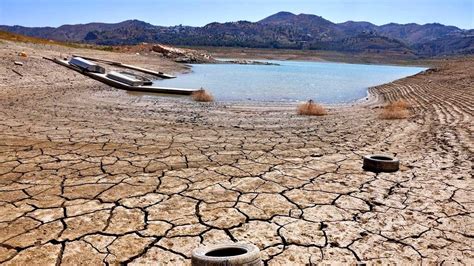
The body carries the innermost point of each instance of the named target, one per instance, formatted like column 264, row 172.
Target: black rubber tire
column 227, row 254
column 381, row 163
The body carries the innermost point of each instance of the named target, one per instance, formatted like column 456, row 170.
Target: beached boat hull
column 119, row 64
column 120, row 85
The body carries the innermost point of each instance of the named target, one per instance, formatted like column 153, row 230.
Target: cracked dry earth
column 94, row 175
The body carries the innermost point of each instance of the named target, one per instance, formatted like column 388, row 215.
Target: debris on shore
column 185, row 55
column 250, row 62
column 181, row 55
column 18, row 73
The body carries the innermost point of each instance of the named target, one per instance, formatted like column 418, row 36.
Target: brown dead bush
column 311, row 108
column 396, row 110
column 202, row 96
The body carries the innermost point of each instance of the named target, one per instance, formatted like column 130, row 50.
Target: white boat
column 86, row 65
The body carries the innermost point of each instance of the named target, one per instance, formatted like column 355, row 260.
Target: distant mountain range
column 281, row 30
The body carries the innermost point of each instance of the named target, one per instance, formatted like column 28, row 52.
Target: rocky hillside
column 281, row 30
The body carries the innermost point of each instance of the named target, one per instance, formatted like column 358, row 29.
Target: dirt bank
column 92, row 174
column 312, row 55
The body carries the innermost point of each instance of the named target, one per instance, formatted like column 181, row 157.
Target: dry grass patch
column 26, row 39
column 202, row 96
column 311, row 108
column 396, row 110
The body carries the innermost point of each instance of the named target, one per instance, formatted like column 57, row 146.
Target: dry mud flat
column 92, row 175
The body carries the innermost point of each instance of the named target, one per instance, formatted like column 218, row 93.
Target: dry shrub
column 396, row 110
column 202, row 96
column 311, row 108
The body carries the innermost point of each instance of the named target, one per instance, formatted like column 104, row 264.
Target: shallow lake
column 290, row 81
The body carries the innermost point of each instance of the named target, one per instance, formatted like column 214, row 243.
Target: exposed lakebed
column 289, row 80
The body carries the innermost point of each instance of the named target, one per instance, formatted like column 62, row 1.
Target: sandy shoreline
column 96, row 175
column 316, row 56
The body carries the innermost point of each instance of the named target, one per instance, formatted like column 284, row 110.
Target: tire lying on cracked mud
column 227, row 254
column 381, row 163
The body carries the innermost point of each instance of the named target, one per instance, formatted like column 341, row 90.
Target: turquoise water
column 290, row 81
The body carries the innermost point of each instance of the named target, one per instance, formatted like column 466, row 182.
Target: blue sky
column 200, row 12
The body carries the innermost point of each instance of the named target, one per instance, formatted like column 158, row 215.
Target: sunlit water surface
column 289, row 81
